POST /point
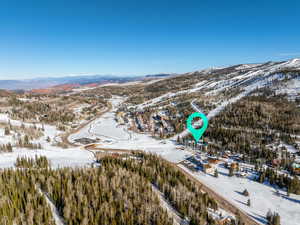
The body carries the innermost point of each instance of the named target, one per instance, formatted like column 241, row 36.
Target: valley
column 252, row 143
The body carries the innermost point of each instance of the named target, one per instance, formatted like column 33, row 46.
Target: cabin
column 276, row 162
column 241, row 174
column 224, row 220
column 296, row 168
column 233, row 165
column 226, row 156
column 213, row 160
column 297, row 171
column 207, row 168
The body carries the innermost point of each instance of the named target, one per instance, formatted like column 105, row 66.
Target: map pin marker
column 197, row 133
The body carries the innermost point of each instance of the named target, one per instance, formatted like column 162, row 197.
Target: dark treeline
column 184, row 195
column 263, row 113
column 20, row 202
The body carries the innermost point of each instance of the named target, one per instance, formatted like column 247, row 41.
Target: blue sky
column 57, row 37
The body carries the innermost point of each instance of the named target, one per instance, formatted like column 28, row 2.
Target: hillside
column 208, row 90
column 5, row 93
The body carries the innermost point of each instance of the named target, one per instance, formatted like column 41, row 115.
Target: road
column 65, row 138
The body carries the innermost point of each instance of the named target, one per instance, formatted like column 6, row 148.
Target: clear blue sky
column 57, row 37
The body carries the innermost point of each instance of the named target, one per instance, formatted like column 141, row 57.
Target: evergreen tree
column 246, row 193
column 6, row 131
column 249, row 203
column 216, row 173
column 231, row 170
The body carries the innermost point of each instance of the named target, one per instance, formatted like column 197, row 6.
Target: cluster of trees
column 20, row 203
column 251, row 125
column 6, row 131
column 281, row 180
column 24, row 142
column 273, row 218
column 104, row 196
column 6, row 147
column 59, row 112
column 184, row 195
column 118, row 192
column 37, row 162
column 40, row 111
column 262, row 113
column 31, row 133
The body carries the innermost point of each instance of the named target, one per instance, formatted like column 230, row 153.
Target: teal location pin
column 197, row 133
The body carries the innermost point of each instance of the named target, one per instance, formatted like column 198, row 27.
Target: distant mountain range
column 38, row 83
column 4, row 93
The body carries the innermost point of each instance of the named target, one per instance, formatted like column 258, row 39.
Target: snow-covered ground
column 78, row 109
column 262, row 196
column 72, row 157
column 114, row 136
column 290, row 88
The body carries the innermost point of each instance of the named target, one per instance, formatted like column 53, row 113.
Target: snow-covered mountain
column 221, row 85
column 283, row 77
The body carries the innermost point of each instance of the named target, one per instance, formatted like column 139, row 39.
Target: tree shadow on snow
column 258, row 218
column 240, row 202
column 291, row 199
column 239, row 192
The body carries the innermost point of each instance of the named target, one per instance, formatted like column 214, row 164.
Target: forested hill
column 120, row 191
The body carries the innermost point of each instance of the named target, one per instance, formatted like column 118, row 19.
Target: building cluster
column 156, row 123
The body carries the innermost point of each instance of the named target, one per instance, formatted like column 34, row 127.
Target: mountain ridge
column 47, row 82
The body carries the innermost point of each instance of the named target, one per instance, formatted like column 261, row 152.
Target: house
column 297, row 171
column 233, row 165
column 296, row 165
column 276, row 162
column 226, row 156
column 213, row 160
column 225, row 220
column 119, row 117
column 296, row 168
column 241, row 174
column 207, row 168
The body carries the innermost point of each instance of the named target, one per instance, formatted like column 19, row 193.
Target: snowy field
column 262, row 196
column 73, row 157
column 58, row 157
column 114, row 136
